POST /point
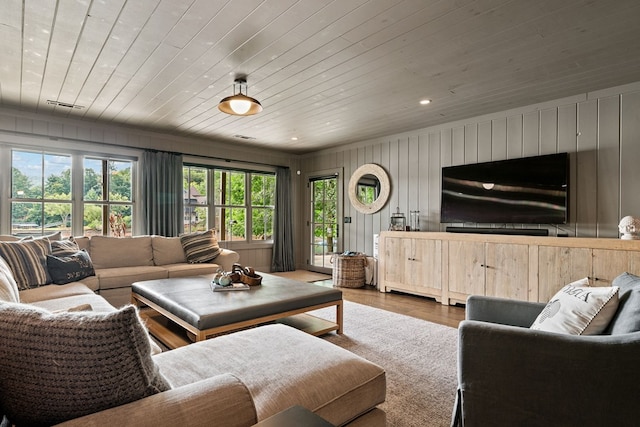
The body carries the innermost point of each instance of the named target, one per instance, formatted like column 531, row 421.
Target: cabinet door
column 423, row 265
column 395, row 259
column 608, row 264
column 558, row 266
column 507, row 270
column 466, row 269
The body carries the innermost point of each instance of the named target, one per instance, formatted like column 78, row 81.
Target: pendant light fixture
column 240, row 104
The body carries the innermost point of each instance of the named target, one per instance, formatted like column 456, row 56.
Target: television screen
column 529, row 190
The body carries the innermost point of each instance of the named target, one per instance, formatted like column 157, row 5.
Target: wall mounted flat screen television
column 529, row 190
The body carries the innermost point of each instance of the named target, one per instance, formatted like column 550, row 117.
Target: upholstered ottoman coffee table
column 189, row 304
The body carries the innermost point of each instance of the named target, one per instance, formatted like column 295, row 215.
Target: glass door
column 323, row 222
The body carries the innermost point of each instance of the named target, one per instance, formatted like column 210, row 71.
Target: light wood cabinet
column 558, row 266
column 465, row 270
column 607, row 264
column 413, row 266
column 452, row 266
column 507, row 270
column 477, row 268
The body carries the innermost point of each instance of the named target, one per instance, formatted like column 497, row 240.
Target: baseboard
column 509, row 231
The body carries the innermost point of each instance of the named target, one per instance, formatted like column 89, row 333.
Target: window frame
column 77, row 152
column 213, row 207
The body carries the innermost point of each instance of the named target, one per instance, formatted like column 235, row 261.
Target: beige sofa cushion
column 62, row 366
column 187, row 270
column 123, row 277
column 96, row 302
column 83, row 242
column 218, row 401
column 44, row 293
column 167, row 250
column 334, row 383
column 8, row 285
column 110, row 252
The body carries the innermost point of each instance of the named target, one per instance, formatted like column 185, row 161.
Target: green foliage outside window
column 239, row 198
column 41, row 192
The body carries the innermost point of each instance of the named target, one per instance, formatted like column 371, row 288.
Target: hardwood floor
column 409, row 305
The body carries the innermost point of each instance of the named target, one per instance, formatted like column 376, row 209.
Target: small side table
column 295, row 416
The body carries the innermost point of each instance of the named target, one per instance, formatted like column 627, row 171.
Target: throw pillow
column 8, row 286
column 578, row 309
column 51, row 237
column 200, row 246
column 627, row 318
column 56, row 367
column 28, row 261
column 64, row 247
column 167, row 250
column 67, row 269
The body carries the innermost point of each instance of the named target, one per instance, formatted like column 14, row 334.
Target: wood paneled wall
column 39, row 131
column 600, row 130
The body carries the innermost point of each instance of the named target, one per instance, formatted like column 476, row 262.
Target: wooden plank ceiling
column 326, row 72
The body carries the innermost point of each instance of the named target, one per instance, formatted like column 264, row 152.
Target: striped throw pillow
column 66, row 247
column 28, row 261
column 200, row 247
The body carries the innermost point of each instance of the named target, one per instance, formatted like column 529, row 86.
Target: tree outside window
column 107, row 194
column 41, row 201
column 241, row 203
column 196, row 203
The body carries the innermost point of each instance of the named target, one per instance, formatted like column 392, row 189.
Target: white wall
column 600, row 130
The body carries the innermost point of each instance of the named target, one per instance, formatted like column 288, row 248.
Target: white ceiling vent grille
column 64, row 104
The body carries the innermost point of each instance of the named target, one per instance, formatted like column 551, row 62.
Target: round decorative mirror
column 369, row 188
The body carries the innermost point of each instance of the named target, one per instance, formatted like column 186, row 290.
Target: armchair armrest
column 226, row 259
column 221, row 400
column 502, row 311
column 515, row 376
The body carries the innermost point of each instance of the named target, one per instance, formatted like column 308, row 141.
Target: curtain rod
column 111, row 144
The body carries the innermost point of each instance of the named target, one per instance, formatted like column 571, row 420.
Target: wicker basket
column 348, row 270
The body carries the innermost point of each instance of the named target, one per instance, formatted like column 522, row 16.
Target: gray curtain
column 162, row 194
column 283, row 243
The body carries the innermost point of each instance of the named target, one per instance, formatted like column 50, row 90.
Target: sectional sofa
column 119, row 262
column 72, row 358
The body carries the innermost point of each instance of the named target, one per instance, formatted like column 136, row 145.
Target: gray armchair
column 510, row 375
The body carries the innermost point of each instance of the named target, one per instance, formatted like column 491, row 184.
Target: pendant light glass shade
column 240, row 104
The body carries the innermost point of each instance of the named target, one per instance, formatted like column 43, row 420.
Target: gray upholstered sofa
column 119, row 262
column 511, row 375
column 53, row 355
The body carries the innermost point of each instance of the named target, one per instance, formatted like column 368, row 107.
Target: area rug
column 419, row 358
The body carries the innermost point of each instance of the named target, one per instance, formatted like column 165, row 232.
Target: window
column 240, row 207
column 196, row 203
column 40, row 193
column 107, row 197
column 263, row 192
column 43, row 194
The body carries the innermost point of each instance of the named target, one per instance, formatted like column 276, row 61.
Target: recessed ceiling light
column 425, row 102
column 294, row 138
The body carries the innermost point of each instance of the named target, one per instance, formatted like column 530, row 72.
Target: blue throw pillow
column 70, row 268
column 627, row 317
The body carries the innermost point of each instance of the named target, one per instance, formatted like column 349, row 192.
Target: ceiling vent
column 64, row 104
column 243, row 137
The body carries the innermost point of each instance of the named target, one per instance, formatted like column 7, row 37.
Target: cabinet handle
column 482, row 265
